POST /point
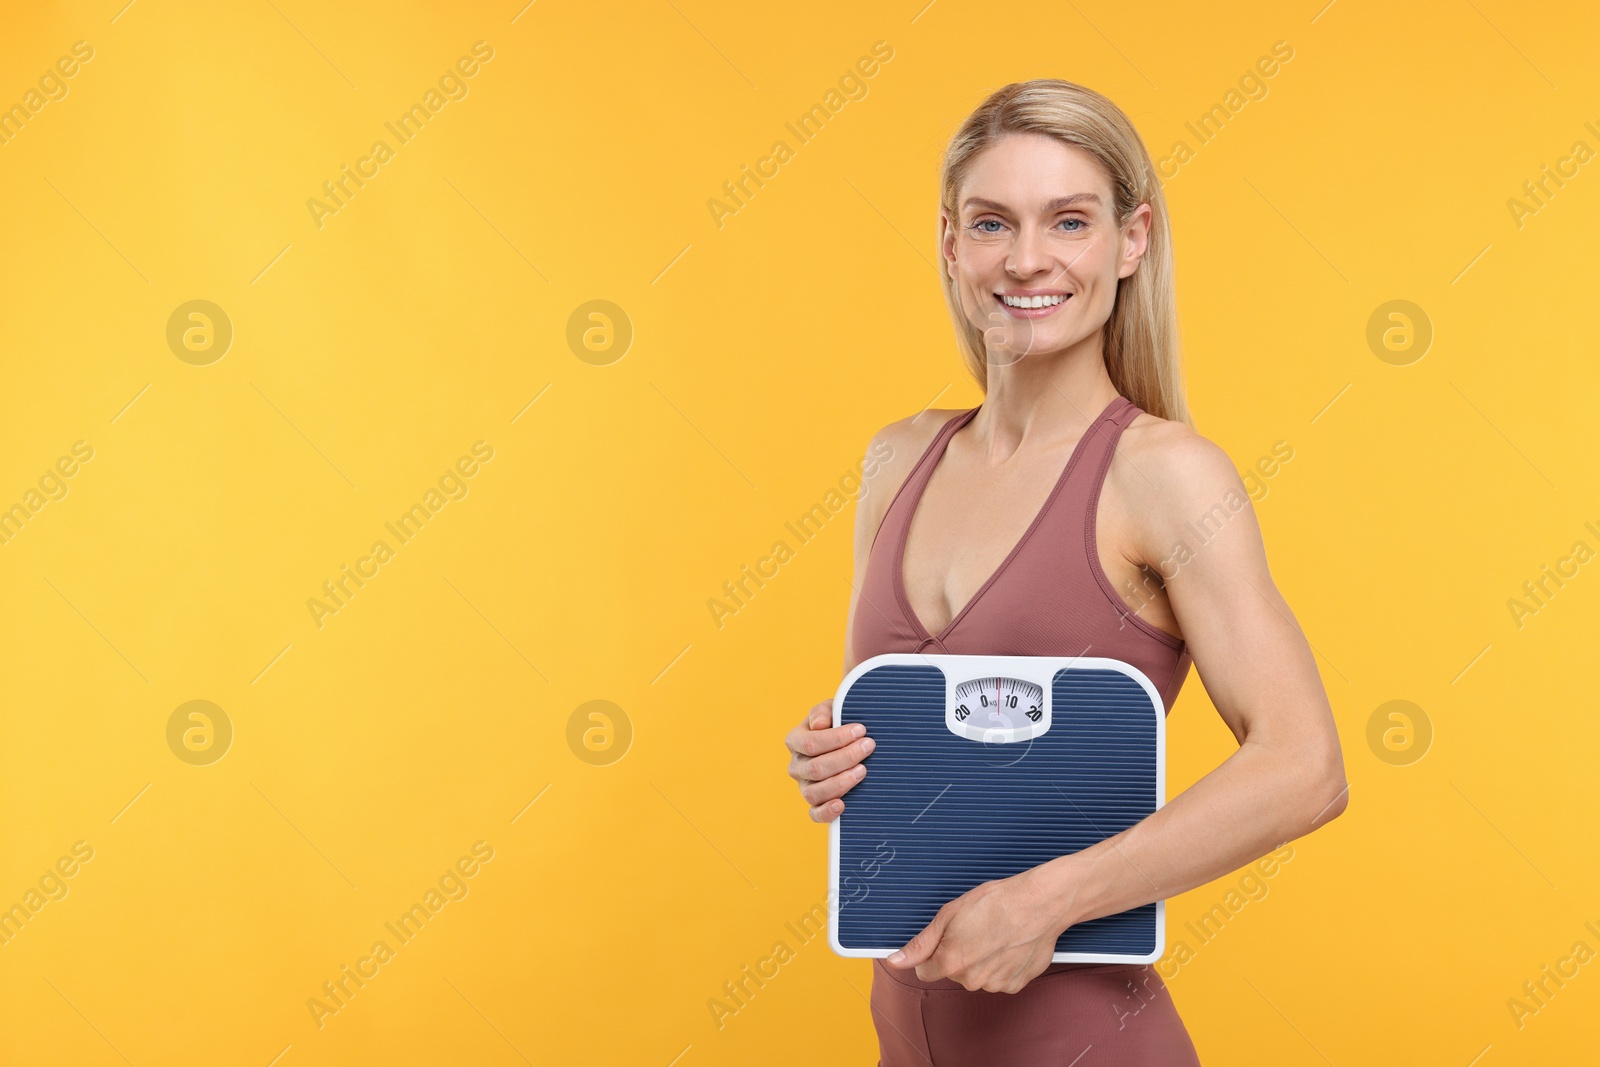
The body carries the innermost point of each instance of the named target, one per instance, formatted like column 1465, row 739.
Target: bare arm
column 887, row 463
column 1287, row 776
column 868, row 514
column 825, row 759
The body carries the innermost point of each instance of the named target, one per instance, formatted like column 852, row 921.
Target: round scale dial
column 1000, row 703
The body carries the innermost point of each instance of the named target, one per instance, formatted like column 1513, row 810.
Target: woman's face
column 1035, row 221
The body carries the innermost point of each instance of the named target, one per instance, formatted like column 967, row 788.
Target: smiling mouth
column 1032, row 307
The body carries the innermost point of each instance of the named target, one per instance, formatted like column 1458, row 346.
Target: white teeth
column 1032, row 301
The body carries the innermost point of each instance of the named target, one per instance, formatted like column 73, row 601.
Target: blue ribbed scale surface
column 958, row 813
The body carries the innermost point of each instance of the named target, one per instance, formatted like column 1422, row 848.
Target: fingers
column 840, row 760
column 922, row 946
column 822, row 778
column 826, row 760
column 827, row 812
column 820, row 792
column 803, row 741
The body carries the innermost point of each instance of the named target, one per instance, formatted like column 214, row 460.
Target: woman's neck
column 1039, row 401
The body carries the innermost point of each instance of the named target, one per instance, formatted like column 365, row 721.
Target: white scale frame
column 1041, row 671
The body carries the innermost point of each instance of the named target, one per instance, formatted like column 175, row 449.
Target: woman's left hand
column 996, row 936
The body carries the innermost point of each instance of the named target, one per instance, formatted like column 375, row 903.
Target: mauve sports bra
column 1049, row 597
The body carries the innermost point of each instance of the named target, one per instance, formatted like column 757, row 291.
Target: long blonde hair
column 1140, row 341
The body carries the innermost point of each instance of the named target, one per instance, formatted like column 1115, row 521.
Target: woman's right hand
column 826, row 760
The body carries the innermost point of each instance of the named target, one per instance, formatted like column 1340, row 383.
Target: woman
column 1074, row 512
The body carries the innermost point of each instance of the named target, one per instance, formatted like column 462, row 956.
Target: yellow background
column 433, row 709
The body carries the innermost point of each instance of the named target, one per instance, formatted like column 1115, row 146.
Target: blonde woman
column 1075, row 511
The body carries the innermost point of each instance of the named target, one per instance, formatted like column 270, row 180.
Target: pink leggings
column 1096, row 1015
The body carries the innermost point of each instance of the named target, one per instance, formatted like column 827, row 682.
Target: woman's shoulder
column 910, row 437
column 892, row 452
column 1173, row 473
column 1157, row 440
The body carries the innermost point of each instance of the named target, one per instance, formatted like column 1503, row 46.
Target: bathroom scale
column 986, row 766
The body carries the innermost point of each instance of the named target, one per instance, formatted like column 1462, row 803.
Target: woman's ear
column 1135, row 240
column 947, row 245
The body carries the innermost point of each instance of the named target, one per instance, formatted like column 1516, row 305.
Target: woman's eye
column 984, row 225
